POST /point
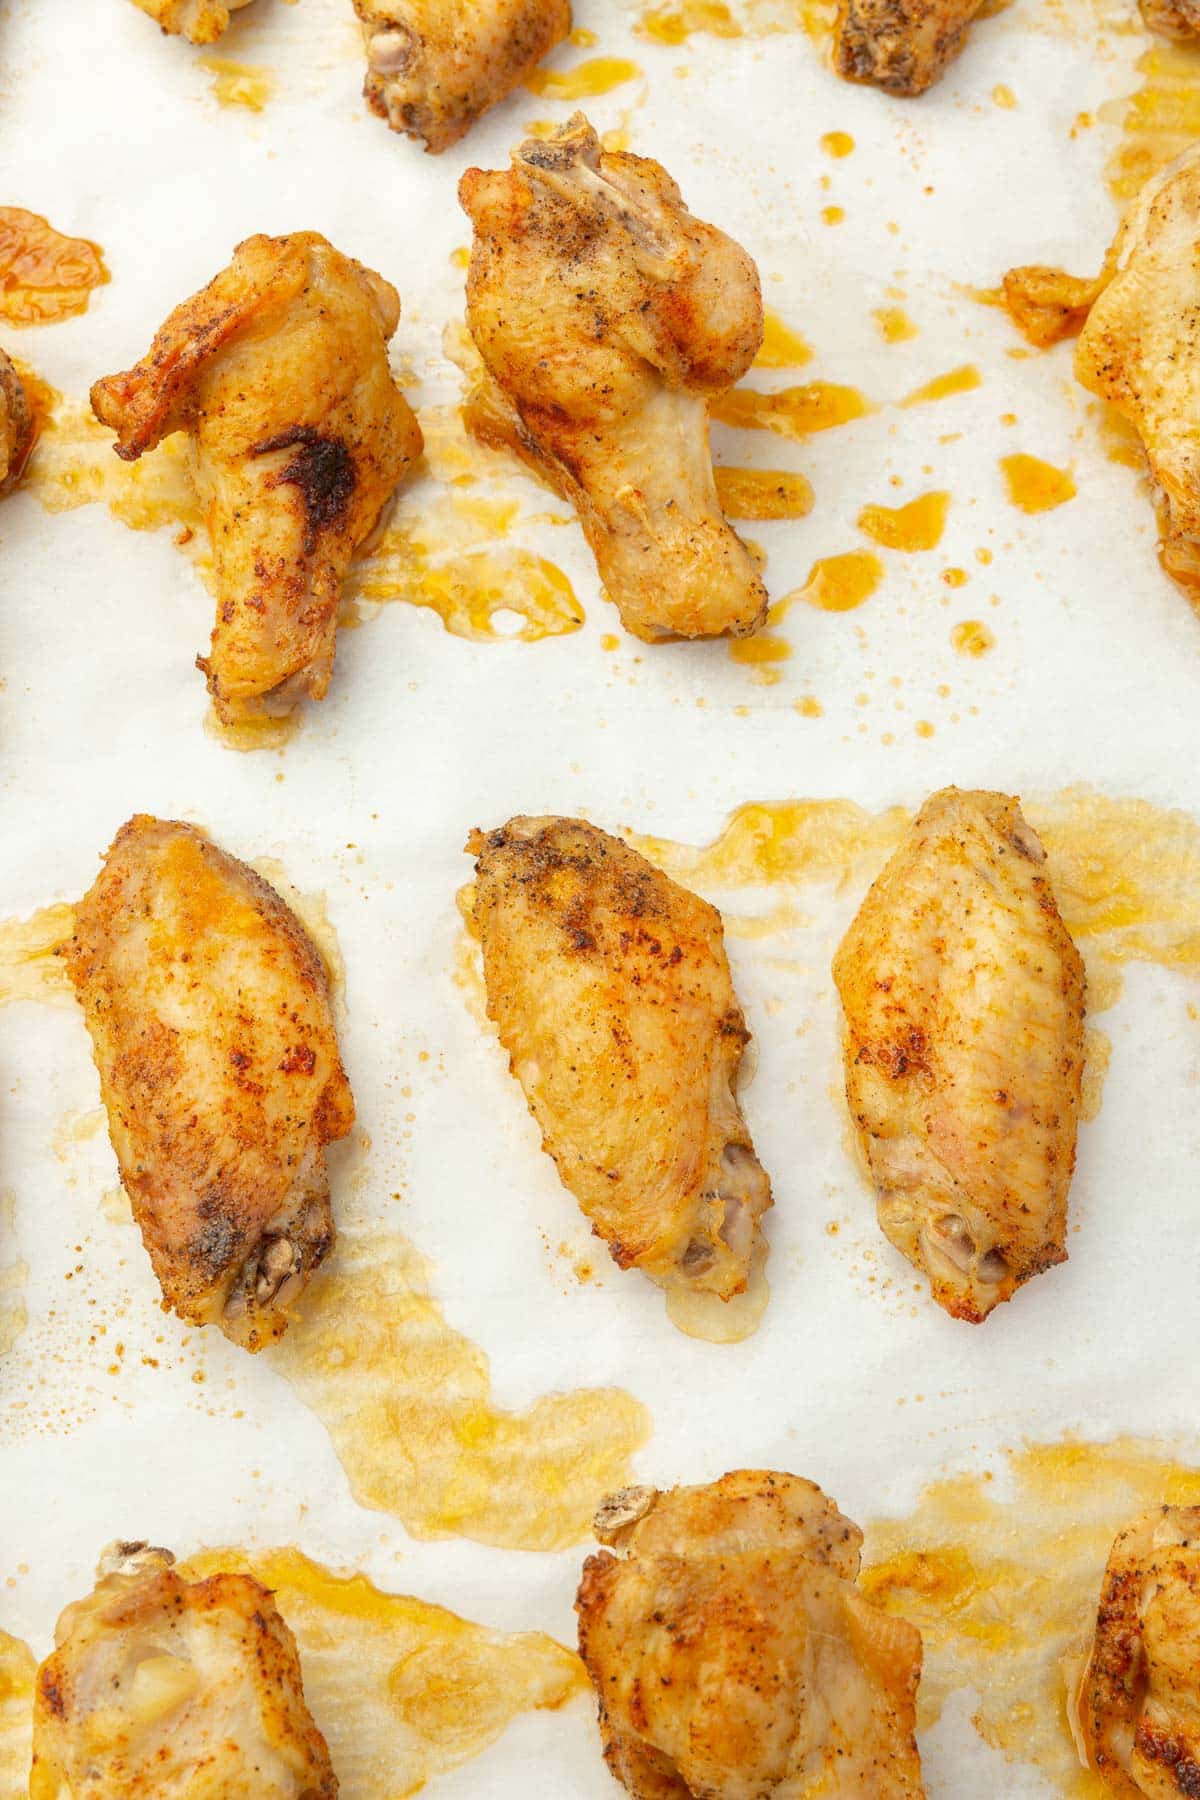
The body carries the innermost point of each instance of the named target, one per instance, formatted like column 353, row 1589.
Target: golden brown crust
column 16, row 426
column 901, row 46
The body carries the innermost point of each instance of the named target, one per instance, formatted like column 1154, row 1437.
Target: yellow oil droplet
column 893, row 324
column 983, row 554
column 239, row 84
column 954, row 381
column 917, row 526
column 1035, row 486
column 1097, row 1054
column 610, row 641
column 583, row 39
column 763, row 493
column 617, row 140
column 832, row 215
column 794, row 412
column 407, row 1404
column 763, row 653
column 18, row 1669
column 837, row 143
column 1004, row 97
column 30, row 965
column 461, row 257
column 782, row 348
column 924, row 728
column 402, row 1690
column 840, row 583
column 675, row 22
column 599, row 75
column 971, row 637
column 809, row 708
column 1158, row 122
column 955, row 578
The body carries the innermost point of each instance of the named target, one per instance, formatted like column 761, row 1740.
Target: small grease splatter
column 675, row 22
column 13, row 1278
column 782, row 347
column 840, row 583
column 833, row 215
column 894, row 325
column 942, row 387
column 1034, row 486
column 30, row 966
column 407, row 1403
column 402, row 1690
column 599, row 75
column 248, row 85
column 17, row 1671
column 971, row 637
column 763, row 493
column 918, row 525
column 44, row 275
column 837, row 143
column 1003, row 97
column 792, row 412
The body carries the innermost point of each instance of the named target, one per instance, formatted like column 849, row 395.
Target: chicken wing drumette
column 612, row 995
column 901, row 46
column 1137, row 1711
column 732, row 1654
column 16, row 426
column 278, row 370
column 608, row 319
column 964, row 1001
column 174, row 1690
column 434, row 66
column 200, row 21
column 212, row 1030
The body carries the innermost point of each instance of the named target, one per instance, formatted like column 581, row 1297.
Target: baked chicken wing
column 434, row 66
column 608, row 319
column 732, row 1654
column 200, row 21
column 162, row 1689
column 278, row 371
column 16, row 426
column 212, row 1029
column 1171, row 18
column 613, row 998
column 964, row 1001
column 901, row 46
column 1137, row 1714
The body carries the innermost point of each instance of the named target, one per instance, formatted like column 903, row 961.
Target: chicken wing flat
column 901, row 46
column 161, row 1689
column 212, row 1030
column 964, row 1001
column 278, row 370
column 434, row 66
column 16, row 426
column 732, row 1654
column 612, row 995
column 608, row 319
column 200, row 21
column 1137, row 1711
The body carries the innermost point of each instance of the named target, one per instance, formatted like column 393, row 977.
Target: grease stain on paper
column 18, row 1669
column 918, row 525
column 248, row 85
column 1158, row 122
column 44, row 275
column 30, row 966
column 792, row 412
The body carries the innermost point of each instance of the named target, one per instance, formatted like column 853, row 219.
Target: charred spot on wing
column 322, row 471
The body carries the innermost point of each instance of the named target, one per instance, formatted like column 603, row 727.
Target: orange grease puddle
column 782, row 348
column 599, row 75
column 942, row 387
column 763, row 494
column 792, row 412
column 17, row 1671
column 1035, row 486
column 918, row 525
column 1158, row 122
column 840, row 583
column 44, row 275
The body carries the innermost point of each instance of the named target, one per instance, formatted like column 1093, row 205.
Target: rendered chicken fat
column 613, row 997
column 212, row 1030
column 278, row 370
column 964, row 1000
column 732, row 1654
column 162, row 1689
column 608, row 318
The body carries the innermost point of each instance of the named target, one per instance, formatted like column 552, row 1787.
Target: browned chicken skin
column 732, row 1654
column 212, row 1030
column 200, row 21
column 1047, row 305
column 608, row 319
column 1137, row 1710
column 964, row 1003
column 162, row 1689
column 434, row 66
column 901, row 46
column 613, row 997
column 278, row 370
column 16, row 426
column 1171, row 18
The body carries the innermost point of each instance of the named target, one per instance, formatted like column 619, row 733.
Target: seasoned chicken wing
column 278, row 370
column 613, row 998
column 608, row 319
column 1171, row 18
column 901, row 46
column 162, row 1689
column 16, row 426
column 212, row 1030
column 434, row 66
column 732, row 1654
column 964, row 999
column 1137, row 1711
column 200, row 21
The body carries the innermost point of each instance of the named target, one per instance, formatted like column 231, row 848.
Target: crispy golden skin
column 1137, row 1710
column 278, row 370
column 434, row 66
column 212, row 1030
column 613, row 998
column 161, row 1689
column 901, row 46
column 732, row 1654
column 964, row 1001
column 200, row 21
column 1171, row 18
column 608, row 319
column 16, row 426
